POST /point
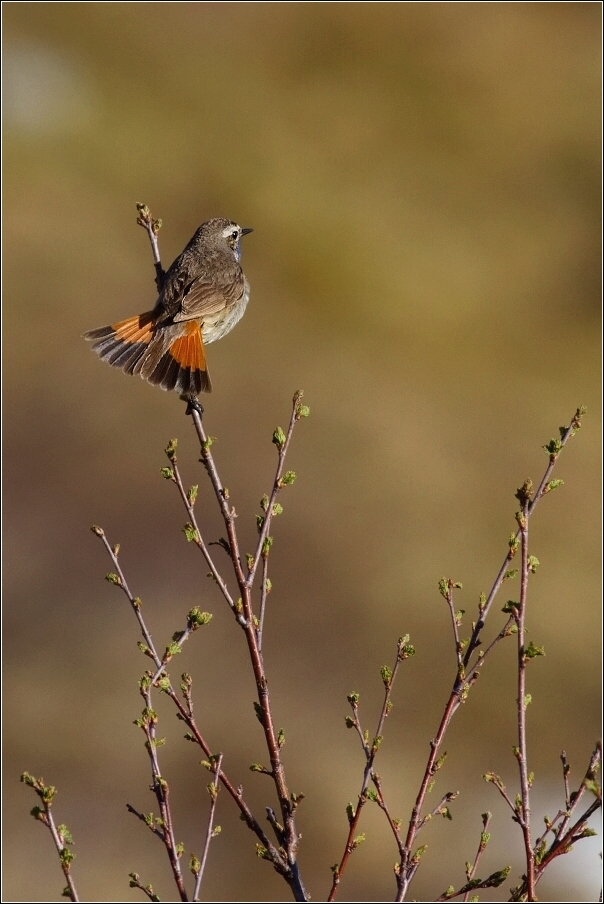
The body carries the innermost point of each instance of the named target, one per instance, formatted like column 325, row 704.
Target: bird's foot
column 193, row 404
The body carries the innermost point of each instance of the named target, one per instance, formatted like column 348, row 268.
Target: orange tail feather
column 123, row 343
column 137, row 346
column 183, row 366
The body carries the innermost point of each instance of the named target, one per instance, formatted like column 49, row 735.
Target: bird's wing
column 200, row 297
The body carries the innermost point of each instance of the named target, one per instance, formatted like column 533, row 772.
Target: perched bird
column 203, row 295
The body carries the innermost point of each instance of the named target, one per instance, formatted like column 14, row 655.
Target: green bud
column 287, row 479
column 170, row 449
column 406, row 651
column 190, row 533
column 196, row 618
column 419, row 852
column 531, row 651
column 386, row 674
column 511, row 607
column 553, row 448
column 552, row 485
column 279, row 438
column 524, row 493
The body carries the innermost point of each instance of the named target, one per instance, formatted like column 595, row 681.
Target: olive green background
column 423, row 180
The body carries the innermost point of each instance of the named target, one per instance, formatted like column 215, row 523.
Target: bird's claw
column 193, row 404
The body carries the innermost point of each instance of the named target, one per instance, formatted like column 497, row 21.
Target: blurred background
column 423, row 180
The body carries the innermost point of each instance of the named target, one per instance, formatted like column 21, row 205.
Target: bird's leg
column 193, row 404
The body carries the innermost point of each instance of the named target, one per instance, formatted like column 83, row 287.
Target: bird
column 203, row 294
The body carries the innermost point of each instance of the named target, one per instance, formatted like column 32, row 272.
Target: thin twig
column 148, row 821
column 213, row 788
column 554, row 447
column 282, row 444
column 184, row 711
column 135, row 882
column 119, row 580
column 410, row 862
column 404, row 651
column 482, row 844
column 152, row 227
column 496, row 780
column 565, row 774
column 200, row 542
column 446, row 588
column 288, row 838
column 440, row 809
column 60, row 834
column 264, row 591
column 395, row 824
column 524, row 812
column 565, row 836
column 159, row 786
column 493, row 881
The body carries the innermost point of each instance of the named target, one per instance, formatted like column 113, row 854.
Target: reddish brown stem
column 368, row 774
column 570, row 431
column 289, row 839
column 524, row 815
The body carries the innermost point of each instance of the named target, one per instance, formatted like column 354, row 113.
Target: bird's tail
column 171, row 356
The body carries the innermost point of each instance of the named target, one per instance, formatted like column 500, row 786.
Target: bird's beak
column 245, row 231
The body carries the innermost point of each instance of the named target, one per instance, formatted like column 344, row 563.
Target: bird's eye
column 234, row 234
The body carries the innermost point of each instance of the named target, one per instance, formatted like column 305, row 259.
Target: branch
column 461, row 685
column 213, row 789
column 404, row 651
column 60, row 834
column 251, row 627
column 184, row 710
column 152, row 227
column 524, row 654
column 159, row 786
column 553, row 448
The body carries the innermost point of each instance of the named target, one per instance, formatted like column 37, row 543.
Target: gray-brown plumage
column 204, row 294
